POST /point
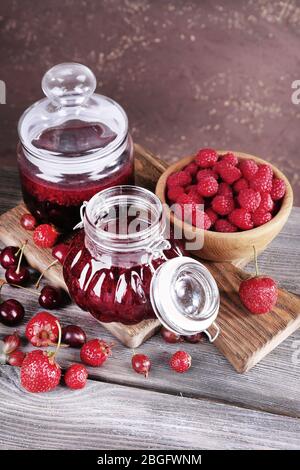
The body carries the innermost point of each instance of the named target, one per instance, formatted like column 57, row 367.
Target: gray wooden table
column 210, row 407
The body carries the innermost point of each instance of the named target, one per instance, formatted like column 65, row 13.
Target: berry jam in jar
column 73, row 144
column 122, row 268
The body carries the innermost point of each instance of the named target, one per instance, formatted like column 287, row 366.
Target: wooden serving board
column 244, row 339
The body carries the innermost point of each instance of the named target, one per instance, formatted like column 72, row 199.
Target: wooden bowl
column 230, row 246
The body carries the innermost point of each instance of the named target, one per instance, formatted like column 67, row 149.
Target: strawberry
column 174, row 193
column 42, row 329
column 223, row 225
column 248, row 168
column 212, row 215
column 206, row 158
column 180, row 178
column 241, row 218
column 240, row 184
column 141, row 364
column 266, row 203
column 181, row 361
column 229, row 158
column 191, row 168
column 76, row 376
column 262, row 180
column 278, row 189
column 11, row 343
column 222, row 205
column 207, row 186
column 260, row 217
column 45, row 236
column 95, row 352
column 249, row 199
column 224, row 190
column 40, row 372
column 228, row 173
column 206, row 172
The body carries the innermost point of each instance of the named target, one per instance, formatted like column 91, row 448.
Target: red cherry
column 17, row 275
column 11, row 312
column 196, row 338
column 169, row 336
column 9, row 257
column 74, row 336
column 28, row 222
column 50, row 297
column 141, row 364
column 60, row 252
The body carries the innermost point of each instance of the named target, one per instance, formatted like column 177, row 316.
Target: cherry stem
column 59, row 339
column 255, row 260
column 20, row 256
column 24, row 288
column 37, row 285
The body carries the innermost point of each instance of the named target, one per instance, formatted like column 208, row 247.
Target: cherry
column 9, row 256
column 169, row 336
column 60, row 252
column 50, row 297
column 74, row 336
column 28, row 222
column 141, row 364
column 196, row 338
column 11, row 312
column 17, row 276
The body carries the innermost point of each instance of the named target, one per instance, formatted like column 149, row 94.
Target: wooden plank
column 114, row 417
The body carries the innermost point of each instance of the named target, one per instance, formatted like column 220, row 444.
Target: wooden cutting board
column 244, row 339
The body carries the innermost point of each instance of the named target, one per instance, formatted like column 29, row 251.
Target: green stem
column 37, row 285
column 255, row 260
column 20, row 257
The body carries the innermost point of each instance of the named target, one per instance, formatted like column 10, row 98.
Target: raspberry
column 228, row 173
column 260, row 217
column 262, row 180
column 240, row 184
column 207, row 186
column 195, row 196
column 212, row 215
column 278, row 189
column 206, row 172
column 266, row 203
column 223, row 205
column 224, row 190
column 201, row 220
column 258, row 294
column 249, row 199
column 191, row 168
column 223, row 225
column 45, row 236
column 174, row 193
column 230, row 158
column 241, row 218
column 180, row 178
column 206, row 158
column 248, row 168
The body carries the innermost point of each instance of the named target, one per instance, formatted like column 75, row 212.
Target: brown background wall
column 189, row 73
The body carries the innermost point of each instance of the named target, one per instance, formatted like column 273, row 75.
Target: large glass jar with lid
column 73, row 144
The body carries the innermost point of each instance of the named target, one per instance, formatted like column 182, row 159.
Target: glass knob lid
column 185, row 296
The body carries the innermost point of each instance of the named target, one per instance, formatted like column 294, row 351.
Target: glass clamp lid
column 185, row 297
column 72, row 120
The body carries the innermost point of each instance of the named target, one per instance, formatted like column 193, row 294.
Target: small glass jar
column 73, row 144
column 122, row 268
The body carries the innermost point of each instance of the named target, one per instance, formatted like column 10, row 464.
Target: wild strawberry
column 45, row 236
column 266, row 203
column 229, row 158
column 181, row 361
column 228, row 173
column 76, row 376
column 249, row 199
column 260, row 217
column 11, row 343
column 180, row 178
column 241, row 218
column 170, row 336
column 207, row 186
column 191, row 168
column 206, row 158
column 223, row 225
column 95, row 352
column 16, row 358
column 278, row 189
column 40, row 372
column 248, row 168
column 222, row 205
column 224, row 189
column 42, row 329
column 174, row 193
column 141, row 364
column 262, row 180
column 212, row 215
column 240, row 184
column 206, row 172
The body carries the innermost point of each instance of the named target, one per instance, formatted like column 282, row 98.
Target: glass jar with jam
column 73, row 144
column 122, row 267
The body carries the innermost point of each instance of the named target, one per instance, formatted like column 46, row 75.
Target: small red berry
column 95, row 352
column 174, row 193
column 201, row 220
column 266, row 203
column 11, row 343
column 141, row 364
column 225, row 190
column 42, row 329
column 228, row 173
column 223, row 225
column 262, row 180
column 260, row 217
column 241, row 218
column 207, row 186
column 40, row 372
column 206, row 172
column 45, row 236
column 74, row 336
column 76, row 376
column 212, row 215
column 278, row 189
column 9, row 256
column 170, row 336
column 206, row 158
column 222, row 205
column 195, row 196
column 16, row 358
column 240, row 184
column 194, row 339
column 248, row 168
column 181, row 361
column 230, row 158
column 191, row 168
column 60, row 252
column 249, row 199
column 28, row 222
column 258, row 294
column 180, row 178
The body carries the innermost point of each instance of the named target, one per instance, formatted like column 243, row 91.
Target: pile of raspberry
column 237, row 194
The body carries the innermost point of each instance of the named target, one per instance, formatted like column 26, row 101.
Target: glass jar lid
column 72, row 120
column 185, row 296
